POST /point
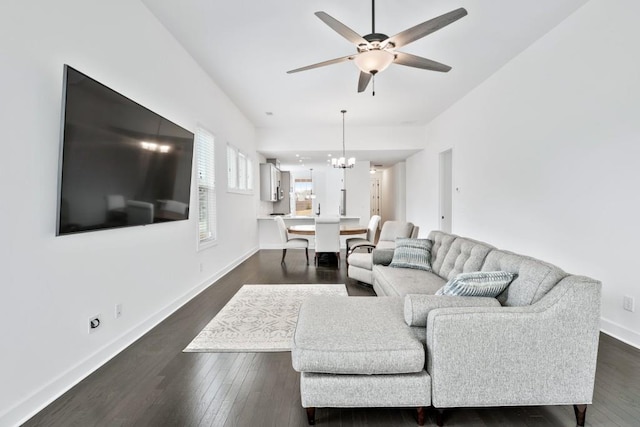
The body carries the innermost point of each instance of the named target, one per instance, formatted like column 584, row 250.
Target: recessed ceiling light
column 297, row 155
column 329, row 154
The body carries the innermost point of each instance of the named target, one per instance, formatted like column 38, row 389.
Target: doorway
column 446, row 190
column 375, row 198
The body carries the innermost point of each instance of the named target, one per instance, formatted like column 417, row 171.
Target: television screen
column 121, row 164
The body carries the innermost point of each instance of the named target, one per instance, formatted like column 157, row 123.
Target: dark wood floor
column 152, row 383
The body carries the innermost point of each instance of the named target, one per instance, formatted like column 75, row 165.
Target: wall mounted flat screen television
column 121, row 164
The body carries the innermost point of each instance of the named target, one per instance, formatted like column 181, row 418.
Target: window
column 239, row 171
column 304, row 194
column 206, row 187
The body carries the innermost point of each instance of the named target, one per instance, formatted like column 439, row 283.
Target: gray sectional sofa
column 535, row 344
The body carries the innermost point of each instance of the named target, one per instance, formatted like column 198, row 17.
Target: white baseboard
column 31, row 405
column 620, row 332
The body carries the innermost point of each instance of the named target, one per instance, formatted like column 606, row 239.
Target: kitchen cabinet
column 269, row 183
column 282, row 206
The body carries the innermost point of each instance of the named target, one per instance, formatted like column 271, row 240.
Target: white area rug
column 259, row 318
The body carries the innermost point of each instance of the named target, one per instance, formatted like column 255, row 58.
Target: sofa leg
column 439, row 417
column 420, row 415
column 306, row 252
column 311, row 416
column 284, row 253
column 581, row 413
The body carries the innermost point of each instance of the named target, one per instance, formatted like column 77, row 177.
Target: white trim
column 31, row 405
column 621, row 333
column 206, row 244
column 237, row 191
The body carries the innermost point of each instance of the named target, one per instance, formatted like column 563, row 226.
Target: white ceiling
column 247, row 47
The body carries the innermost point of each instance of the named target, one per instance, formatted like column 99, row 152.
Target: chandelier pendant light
column 343, row 162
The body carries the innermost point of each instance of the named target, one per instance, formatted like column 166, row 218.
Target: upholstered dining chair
column 327, row 236
column 290, row 243
column 367, row 242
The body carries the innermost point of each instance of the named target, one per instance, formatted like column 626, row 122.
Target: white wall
column 358, row 183
column 51, row 285
column 545, row 156
column 393, row 193
column 330, row 138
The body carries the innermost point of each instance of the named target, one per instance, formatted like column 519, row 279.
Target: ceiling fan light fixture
column 374, row 61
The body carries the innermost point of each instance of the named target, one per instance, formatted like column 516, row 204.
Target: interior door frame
column 375, row 195
column 445, row 211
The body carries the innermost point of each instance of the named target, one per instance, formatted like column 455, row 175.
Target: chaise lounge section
column 535, row 344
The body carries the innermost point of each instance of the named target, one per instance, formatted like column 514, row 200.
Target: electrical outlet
column 94, row 323
column 118, row 311
column 628, row 303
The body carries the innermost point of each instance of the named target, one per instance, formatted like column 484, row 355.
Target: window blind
column 205, row 152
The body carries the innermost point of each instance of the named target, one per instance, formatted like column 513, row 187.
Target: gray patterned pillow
column 412, row 253
column 478, row 284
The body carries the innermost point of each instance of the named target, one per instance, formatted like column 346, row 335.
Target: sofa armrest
column 418, row 306
column 382, row 256
column 543, row 354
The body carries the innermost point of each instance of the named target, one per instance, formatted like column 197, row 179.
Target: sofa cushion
column 441, row 244
column 355, row 335
column 477, row 284
column 535, row 278
column 403, row 281
column 464, row 255
column 412, row 253
column 418, row 306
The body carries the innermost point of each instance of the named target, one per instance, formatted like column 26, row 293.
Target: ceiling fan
column 377, row 51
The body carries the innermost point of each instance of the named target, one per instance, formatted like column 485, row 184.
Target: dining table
column 310, row 229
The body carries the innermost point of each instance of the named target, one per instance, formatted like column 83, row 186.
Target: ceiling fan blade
column 341, row 29
column 322, row 64
column 414, row 33
column 419, row 62
column 363, row 81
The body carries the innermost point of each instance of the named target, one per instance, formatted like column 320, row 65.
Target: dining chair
column 290, row 243
column 367, row 242
column 139, row 213
column 327, row 236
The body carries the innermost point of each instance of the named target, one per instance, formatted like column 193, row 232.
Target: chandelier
column 342, row 162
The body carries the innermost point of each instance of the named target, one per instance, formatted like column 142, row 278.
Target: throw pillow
column 412, row 253
column 478, row 284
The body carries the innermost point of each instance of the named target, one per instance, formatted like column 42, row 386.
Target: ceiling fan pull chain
column 373, row 85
